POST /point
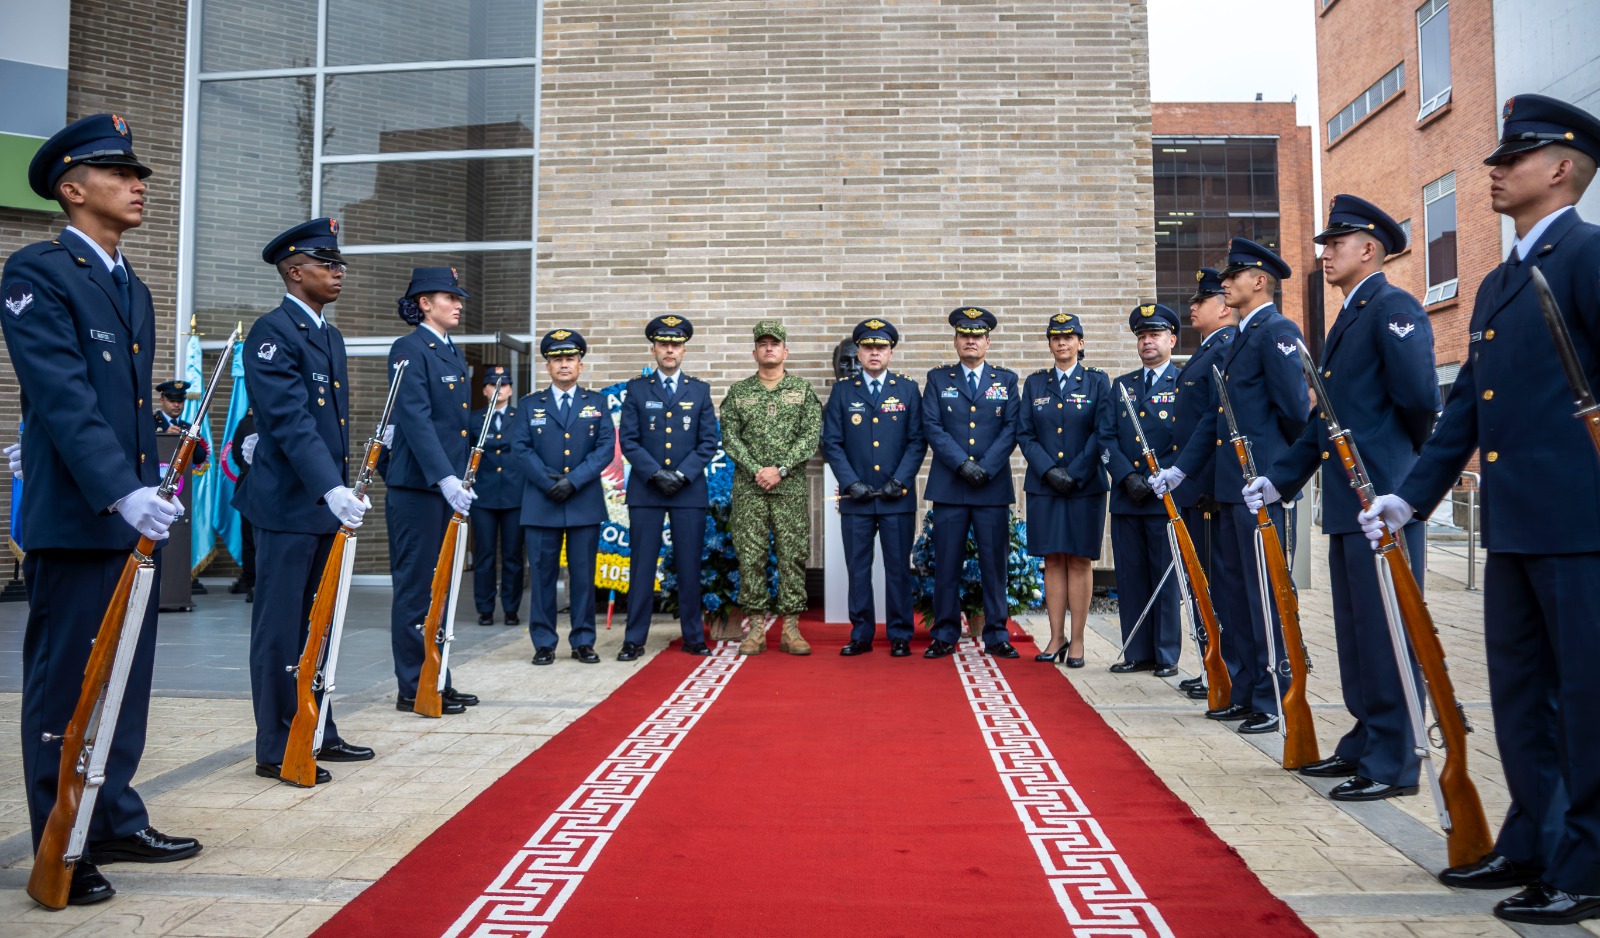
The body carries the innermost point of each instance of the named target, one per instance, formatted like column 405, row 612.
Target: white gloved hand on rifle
column 1389, row 511
column 459, row 496
column 148, row 513
column 346, row 506
column 1260, row 493
column 14, row 456
column 1166, row 480
column 247, row 448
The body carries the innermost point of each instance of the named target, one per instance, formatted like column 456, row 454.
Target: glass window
column 241, row 35
column 1439, row 226
column 1433, row 55
column 438, row 201
column 363, row 32
column 497, row 280
column 1367, row 101
column 395, row 112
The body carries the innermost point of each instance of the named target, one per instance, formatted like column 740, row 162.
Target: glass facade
column 1208, row 190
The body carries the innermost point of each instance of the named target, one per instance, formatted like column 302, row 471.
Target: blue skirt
column 1066, row 524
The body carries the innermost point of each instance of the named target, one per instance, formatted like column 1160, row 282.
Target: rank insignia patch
column 19, row 297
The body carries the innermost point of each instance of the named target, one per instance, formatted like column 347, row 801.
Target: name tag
column 653, row 405
column 1475, row 337
column 950, row 392
column 536, row 422
column 1041, row 401
column 450, row 379
column 99, row 336
column 317, row 377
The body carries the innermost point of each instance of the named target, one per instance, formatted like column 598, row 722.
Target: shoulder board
column 1094, row 369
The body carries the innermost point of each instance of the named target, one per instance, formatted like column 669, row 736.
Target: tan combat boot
column 755, row 642
column 792, row 641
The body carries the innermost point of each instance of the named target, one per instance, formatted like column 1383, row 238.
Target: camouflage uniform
column 781, row 427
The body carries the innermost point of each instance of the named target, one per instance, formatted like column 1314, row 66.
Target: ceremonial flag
column 202, row 506
column 226, row 519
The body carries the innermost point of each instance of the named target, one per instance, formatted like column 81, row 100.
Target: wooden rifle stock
column 428, row 702
column 299, row 762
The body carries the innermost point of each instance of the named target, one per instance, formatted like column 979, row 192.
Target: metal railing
column 1472, row 524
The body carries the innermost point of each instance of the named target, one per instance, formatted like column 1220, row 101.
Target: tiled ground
column 279, row 861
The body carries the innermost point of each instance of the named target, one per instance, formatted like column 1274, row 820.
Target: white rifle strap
column 1264, row 585
column 1147, row 606
column 1186, row 598
column 448, row 628
column 330, row 660
column 1408, row 684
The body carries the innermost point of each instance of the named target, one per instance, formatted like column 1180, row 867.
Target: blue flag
column 202, row 504
column 226, row 520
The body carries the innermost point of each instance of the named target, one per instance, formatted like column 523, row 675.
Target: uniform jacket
column 763, row 428
column 873, row 443
column 958, row 426
column 1070, row 429
column 1158, row 415
column 545, row 449
column 1194, row 402
column 659, row 433
column 1268, row 391
column 499, row 482
column 84, row 365
column 1377, row 365
column 433, row 432
column 300, row 395
column 1540, row 478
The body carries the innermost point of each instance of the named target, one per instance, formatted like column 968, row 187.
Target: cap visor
column 1334, row 231
column 1511, row 147
column 117, row 159
column 1203, row 294
column 325, row 254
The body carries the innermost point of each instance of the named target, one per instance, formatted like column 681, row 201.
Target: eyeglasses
column 337, row 267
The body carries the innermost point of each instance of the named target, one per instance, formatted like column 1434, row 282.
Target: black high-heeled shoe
column 1055, row 657
column 1071, row 662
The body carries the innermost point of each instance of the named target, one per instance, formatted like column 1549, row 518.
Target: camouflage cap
column 770, row 327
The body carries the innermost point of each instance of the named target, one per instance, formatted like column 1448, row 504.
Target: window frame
column 1442, row 98
column 1444, row 290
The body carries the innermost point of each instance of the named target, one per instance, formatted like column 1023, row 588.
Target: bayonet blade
column 1324, row 403
column 1133, row 414
column 1222, row 396
column 1583, row 397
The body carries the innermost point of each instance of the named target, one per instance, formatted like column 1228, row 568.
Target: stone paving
column 280, row 861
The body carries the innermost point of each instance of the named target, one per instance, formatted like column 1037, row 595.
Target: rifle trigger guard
column 1436, row 735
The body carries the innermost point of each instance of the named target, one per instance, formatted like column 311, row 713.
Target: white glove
column 344, row 504
column 388, row 437
column 1389, row 511
column 1260, row 493
column 148, row 513
column 14, row 456
column 1166, row 480
column 459, row 496
column 247, row 448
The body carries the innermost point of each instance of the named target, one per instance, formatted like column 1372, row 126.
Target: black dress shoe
column 1189, row 682
column 854, row 648
column 250, row 595
column 938, row 649
column 88, row 886
column 197, row 588
column 1543, row 904
column 698, row 649
column 1074, row 662
column 629, row 652
column 446, row 705
column 585, row 653
column 276, row 771
column 1335, row 766
column 544, row 656
column 240, row 586
column 1259, row 723
column 1165, row 670
column 511, row 619
column 899, row 648
column 1197, row 692
column 146, row 846
column 1230, row 712
column 486, row 618
column 460, row 697
column 1492, row 872
column 1128, row 667
column 1002, row 650
column 342, row 751
column 1357, row 788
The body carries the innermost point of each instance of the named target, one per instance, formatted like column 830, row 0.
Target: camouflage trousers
column 757, row 521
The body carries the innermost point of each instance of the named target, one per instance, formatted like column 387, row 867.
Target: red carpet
column 784, row 796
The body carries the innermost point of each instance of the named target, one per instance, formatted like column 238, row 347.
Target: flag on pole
column 226, row 519
column 202, row 507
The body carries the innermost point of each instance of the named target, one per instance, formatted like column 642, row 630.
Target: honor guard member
column 1541, row 515
column 970, row 412
column 1138, row 519
column 297, row 492
column 497, row 511
column 872, row 439
column 771, row 424
column 1377, row 367
column 1268, row 392
column 564, row 440
column 1217, row 324
column 668, row 432
column 432, row 440
column 81, row 329
column 169, row 406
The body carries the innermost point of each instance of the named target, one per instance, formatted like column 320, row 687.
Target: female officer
column 1067, row 417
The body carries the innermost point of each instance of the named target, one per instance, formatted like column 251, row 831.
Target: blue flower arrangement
column 1024, row 573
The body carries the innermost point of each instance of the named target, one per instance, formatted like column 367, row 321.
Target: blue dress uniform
column 83, row 351
column 1270, row 402
column 1541, row 521
column 433, row 438
column 667, row 482
column 1377, row 366
column 1138, row 518
column 295, row 370
column 876, row 441
column 552, row 446
column 497, row 514
column 970, row 419
column 175, row 391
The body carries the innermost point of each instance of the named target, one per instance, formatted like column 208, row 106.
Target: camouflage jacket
column 781, row 427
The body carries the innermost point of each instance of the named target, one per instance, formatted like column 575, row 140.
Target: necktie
column 671, row 386
column 1149, row 380
column 1515, row 258
column 876, row 388
column 565, row 404
column 972, row 383
column 1061, row 384
column 119, row 273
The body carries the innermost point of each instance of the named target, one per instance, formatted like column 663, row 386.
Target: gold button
column 140, row 401
column 463, row 433
column 669, row 413
column 497, row 436
column 566, row 452
column 141, row 459
column 874, row 442
column 566, row 436
column 874, row 419
column 1059, row 455
column 336, row 384
column 669, row 462
column 669, row 446
column 1059, row 406
column 341, row 421
column 1327, row 374
column 1488, row 395
column 972, row 442
column 1141, row 413
column 1324, row 455
column 135, row 348
column 106, row 355
column 452, row 387
column 321, row 402
column 972, row 424
column 875, row 469
column 496, row 468
column 1489, row 336
column 463, row 405
column 669, row 429
column 1493, row 456
column 974, row 410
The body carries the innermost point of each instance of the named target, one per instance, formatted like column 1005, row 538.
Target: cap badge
column 120, row 124
column 672, row 322
column 1149, row 310
column 560, row 335
column 1332, row 203
column 1061, row 317
column 333, row 226
column 1199, row 275
column 971, row 313
column 455, row 277
column 1505, row 113
column 874, row 324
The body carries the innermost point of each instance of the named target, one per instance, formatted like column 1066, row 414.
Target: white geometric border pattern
column 1090, row 880
column 532, row 888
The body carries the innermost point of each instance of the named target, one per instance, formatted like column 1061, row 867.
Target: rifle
column 1192, row 581
column 325, row 627
column 1299, row 732
column 86, row 741
column 447, row 588
column 1582, row 397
